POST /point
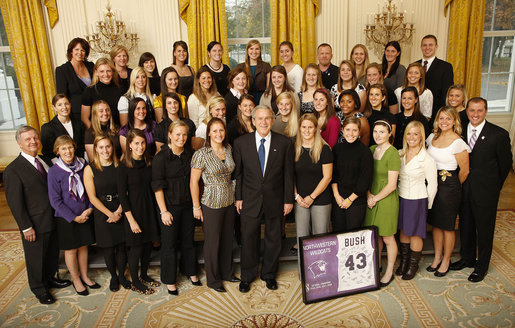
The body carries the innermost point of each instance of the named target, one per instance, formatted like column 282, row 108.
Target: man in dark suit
column 264, row 189
column 439, row 73
column 490, row 162
column 329, row 71
column 26, row 192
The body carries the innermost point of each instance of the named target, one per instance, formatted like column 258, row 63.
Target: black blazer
column 269, row 192
column 67, row 82
column 439, row 78
column 490, row 162
column 53, row 129
column 26, row 192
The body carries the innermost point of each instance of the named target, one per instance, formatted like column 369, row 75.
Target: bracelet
column 350, row 201
column 311, row 197
column 296, row 196
column 196, row 207
column 163, row 212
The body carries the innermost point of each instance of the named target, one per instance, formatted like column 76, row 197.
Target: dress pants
column 179, row 235
column 250, row 243
column 41, row 259
column 314, row 220
column 477, row 225
column 218, row 230
column 348, row 219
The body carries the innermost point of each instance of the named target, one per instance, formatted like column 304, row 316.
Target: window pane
column 7, row 64
column 485, row 59
column 3, row 33
column 248, row 18
column 496, row 91
column 499, row 15
column 237, row 53
column 501, row 54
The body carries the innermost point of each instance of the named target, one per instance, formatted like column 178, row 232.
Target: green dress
column 386, row 212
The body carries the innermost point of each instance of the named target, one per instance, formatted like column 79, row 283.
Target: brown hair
column 304, row 86
column 197, row 89
column 63, row 140
column 421, row 82
column 128, row 160
column 108, row 62
column 73, row 43
column 234, row 72
column 329, row 111
column 353, row 71
column 213, row 121
column 96, row 159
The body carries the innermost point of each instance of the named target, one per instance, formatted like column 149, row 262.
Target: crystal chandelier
column 388, row 25
column 110, row 31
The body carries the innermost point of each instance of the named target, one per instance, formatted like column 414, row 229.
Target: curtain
column 206, row 22
column 31, row 57
column 294, row 21
column 466, row 42
column 53, row 15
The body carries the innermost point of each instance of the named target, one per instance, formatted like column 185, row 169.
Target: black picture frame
column 325, row 276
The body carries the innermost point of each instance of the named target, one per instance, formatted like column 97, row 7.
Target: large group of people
column 134, row 159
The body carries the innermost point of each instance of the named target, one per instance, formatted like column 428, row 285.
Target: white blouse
column 444, row 157
column 295, row 77
column 425, row 100
column 413, row 177
column 196, row 111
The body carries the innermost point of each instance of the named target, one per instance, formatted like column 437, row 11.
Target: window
column 247, row 20
column 498, row 63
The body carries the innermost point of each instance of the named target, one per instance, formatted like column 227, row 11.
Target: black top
column 464, row 119
column 234, row 130
column 377, row 115
column 135, row 195
column 154, row 83
column 353, row 169
column 125, row 83
column 171, row 173
column 53, row 129
column 231, row 106
column 67, row 82
column 220, row 79
column 161, row 131
column 402, row 122
column 107, row 92
column 308, row 175
column 186, row 84
column 330, row 76
column 392, row 98
column 106, row 189
column 89, row 139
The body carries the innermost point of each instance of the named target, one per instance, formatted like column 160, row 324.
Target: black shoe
column 173, row 292
column 45, row 298
column 125, row 283
column 94, row 286
column 476, row 276
column 294, row 251
column 385, row 284
column 114, row 285
column 431, row 269
column 271, row 284
column 461, row 264
column 234, row 279
column 195, row 283
column 146, row 280
column 85, row 292
column 244, row 287
column 58, row 283
column 220, row 289
column 441, row 274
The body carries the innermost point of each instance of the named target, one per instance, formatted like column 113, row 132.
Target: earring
column 130, row 148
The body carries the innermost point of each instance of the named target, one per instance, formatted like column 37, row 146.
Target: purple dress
column 71, row 234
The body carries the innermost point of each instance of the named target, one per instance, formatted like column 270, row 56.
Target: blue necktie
column 261, row 155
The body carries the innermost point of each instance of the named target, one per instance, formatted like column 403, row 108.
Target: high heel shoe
column 431, row 269
column 85, row 292
column 173, row 292
column 94, row 286
column 385, row 284
column 441, row 274
column 195, row 283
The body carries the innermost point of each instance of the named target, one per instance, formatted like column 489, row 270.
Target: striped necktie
column 473, row 139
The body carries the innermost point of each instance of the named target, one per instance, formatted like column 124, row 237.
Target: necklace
column 219, row 69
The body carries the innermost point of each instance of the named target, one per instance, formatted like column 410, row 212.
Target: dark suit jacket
column 53, row 129
column 26, row 192
column 67, row 82
column 439, row 78
column 490, row 163
column 258, row 82
column 269, row 192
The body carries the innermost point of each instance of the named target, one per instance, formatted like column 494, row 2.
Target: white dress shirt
column 478, row 128
column 429, row 62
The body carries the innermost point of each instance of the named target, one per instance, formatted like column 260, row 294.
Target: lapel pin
column 483, row 137
column 275, row 149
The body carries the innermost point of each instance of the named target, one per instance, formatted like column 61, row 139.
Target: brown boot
column 413, row 265
column 404, row 255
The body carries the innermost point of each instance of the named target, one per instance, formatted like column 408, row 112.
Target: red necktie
column 425, row 66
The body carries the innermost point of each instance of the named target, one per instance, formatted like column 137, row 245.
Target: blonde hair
column 318, row 145
column 131, row 93
column 210, row 104
column 95, row 122
column 304, row 85
column 365, row 62
column 63, row 140
column 115, row 50
column 379, row 69
column 104, row 61
column 463, row 90
column 453, row 114
column 421, row 131
column 293, row 121
column 96, row 158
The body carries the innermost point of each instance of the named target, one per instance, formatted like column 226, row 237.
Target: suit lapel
column 482, row 137
column 272, row 154
column 30, row 169
column 254, row 153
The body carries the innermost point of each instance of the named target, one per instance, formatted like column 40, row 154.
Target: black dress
column 377, row 115
column 186, row 84
column 135, row 195
column 106, row 188
column 402, row 122
column 161, row 131
column 220, row 78
column 110, row 93
column 89, row 139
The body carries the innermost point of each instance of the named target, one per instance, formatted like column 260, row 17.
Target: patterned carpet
column 426, row 301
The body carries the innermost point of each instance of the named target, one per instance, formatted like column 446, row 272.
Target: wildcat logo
column 318, row 268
